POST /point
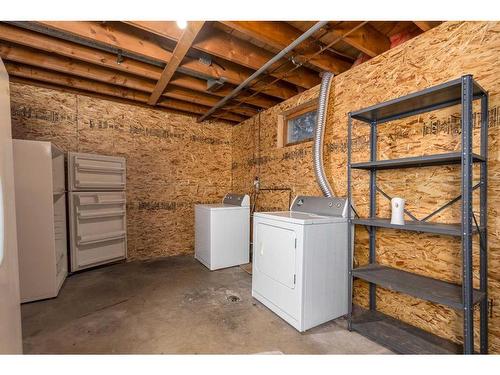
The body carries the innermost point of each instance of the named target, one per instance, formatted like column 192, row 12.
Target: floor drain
column 233, row 298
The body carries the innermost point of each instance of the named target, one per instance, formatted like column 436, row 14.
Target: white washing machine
column 300, row 261
column 222, row 232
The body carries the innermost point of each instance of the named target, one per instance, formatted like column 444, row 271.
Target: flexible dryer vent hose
column 319, row 133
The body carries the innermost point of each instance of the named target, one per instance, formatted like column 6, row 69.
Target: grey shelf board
column 417, row 161
column 418, row 286
column 398, row 336
column 415, row 226
column 440, row 96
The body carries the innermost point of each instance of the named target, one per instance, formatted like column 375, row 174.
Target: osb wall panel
column 172, row 162
column 444, row 53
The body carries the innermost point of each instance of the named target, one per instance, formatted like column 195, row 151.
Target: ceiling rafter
column 156, row 62
column 82, row 69
column 366, row 38
column 84, row 85
column 105, row 59
column 225, row 46
column 280, row 34
column 111, row 35
column 331, row 43
column 189, row 82
column 180, row 51
column 426, row 25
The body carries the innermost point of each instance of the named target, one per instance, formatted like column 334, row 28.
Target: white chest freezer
column 300, row 261
column 222, row 232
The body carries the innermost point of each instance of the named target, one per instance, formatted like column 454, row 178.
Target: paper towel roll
column 398, row 207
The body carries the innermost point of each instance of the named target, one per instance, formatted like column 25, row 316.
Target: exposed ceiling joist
column 160, row 28
column 225, row 46
column 150, row 61
column 82, row 84
column 180, row 51
column 183, row 80
column 110, row 35
column 77, row 51
column 425, row 25
column 281, row 34
column 105, row 59
column 79, row 68
column 85, row 70
column 366, row 38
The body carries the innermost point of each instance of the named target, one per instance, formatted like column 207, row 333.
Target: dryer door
column 277, row 253
column 276, row 276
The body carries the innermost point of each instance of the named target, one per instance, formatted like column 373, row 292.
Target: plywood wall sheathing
column 439, row 55
column 172, row 161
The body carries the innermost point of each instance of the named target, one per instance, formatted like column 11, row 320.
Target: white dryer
column 222, row 232
column 300, row 261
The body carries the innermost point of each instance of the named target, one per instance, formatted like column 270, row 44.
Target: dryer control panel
column 320, row 205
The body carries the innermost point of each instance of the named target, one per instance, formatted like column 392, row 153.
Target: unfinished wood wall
column 444, row 53
column 172, row 162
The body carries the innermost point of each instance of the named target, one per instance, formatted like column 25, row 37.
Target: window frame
column 284, row 117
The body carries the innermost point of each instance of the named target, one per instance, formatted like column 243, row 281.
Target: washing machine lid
column 303, row 218
column 221, row 206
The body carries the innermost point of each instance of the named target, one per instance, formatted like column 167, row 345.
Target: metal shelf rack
column 373, row 324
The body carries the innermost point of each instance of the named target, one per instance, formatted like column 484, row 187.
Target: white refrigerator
column 10, row 311
column 97, row 209
column 41, row 218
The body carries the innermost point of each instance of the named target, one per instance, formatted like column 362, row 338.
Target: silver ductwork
column 319, row 134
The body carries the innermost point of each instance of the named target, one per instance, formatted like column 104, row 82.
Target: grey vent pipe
column 263, row 68
column 319, row 133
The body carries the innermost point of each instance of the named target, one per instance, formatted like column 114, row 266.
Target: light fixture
column 182, row 24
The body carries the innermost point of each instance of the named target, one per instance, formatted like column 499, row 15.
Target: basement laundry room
column 245, row 186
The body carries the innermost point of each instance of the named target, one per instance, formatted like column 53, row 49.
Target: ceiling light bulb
column 182, row 24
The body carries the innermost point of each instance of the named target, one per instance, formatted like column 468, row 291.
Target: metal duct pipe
column 319, row 133
column 263, row 68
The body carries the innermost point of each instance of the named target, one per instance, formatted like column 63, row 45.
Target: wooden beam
column 37, row 74
column 82, row 69
column 366, row 38
column 162, row 107
column 425, row 25
column 63, row 80
column 225, row 46
column 160, row 28
column 193, row 83
column 79, row 68
column 83, row 53
column 65, row 48
column 182, row 47
column 280, row 34
column 207, row 100
column 111, row 35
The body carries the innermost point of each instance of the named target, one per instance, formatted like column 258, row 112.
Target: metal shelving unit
column 463, row 297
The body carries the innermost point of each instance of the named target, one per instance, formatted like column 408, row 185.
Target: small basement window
column 297, row 124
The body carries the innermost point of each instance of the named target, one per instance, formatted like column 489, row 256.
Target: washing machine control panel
column 233, row 199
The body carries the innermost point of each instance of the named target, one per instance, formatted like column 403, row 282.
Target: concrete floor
column 172, row 306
